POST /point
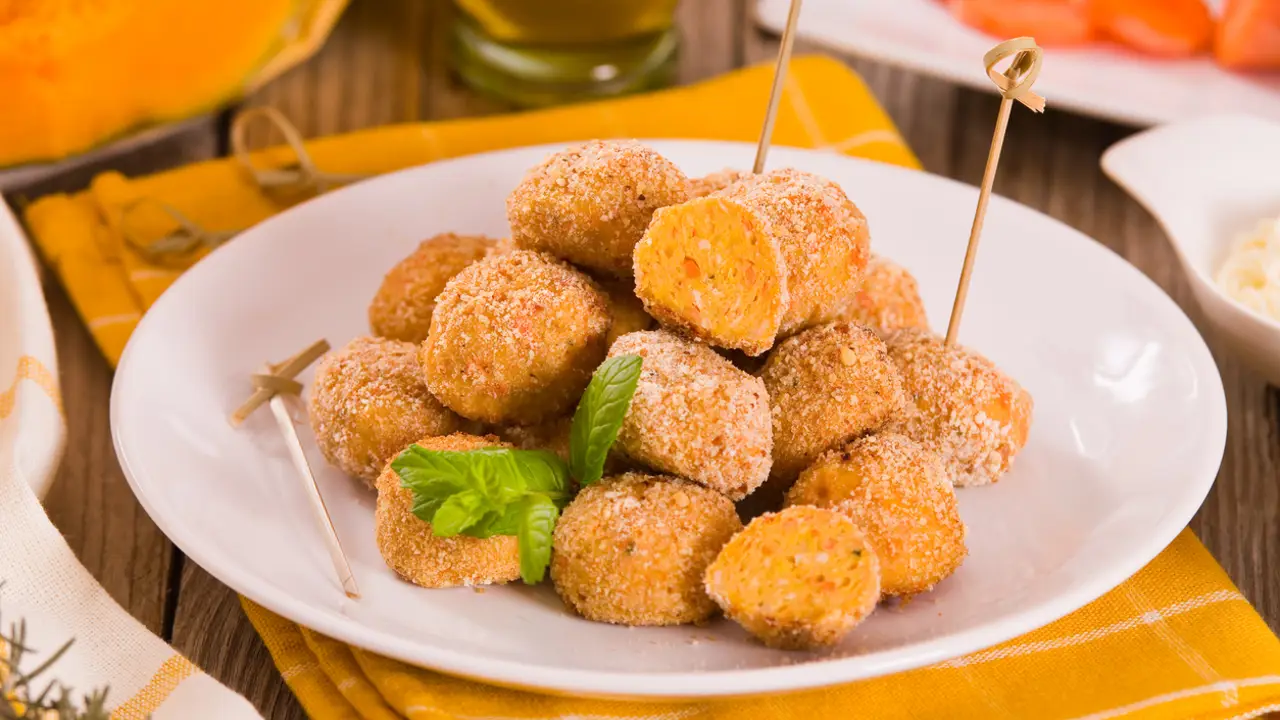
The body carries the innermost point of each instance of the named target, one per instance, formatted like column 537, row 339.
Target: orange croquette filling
column 708, row 264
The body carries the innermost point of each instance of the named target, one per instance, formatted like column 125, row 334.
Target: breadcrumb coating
column 402, row 307
column 695, row 415
column 961, row 405
column 888, row 300
column 632, row 549
column 515, row 339
column 409, row 547
column 590, row 204
column 898, row 493
column 798, row 579
column 367, row 402
column 827, row 385
column 823, row 236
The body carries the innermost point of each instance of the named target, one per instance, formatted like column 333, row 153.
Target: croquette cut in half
column 412, row 550
column 590, row 204
column 823, row 236
column 632, row 549
column 889, row 299
column 515, row 338
column 712, row 269
column 695, row 415
column 367, row 402
column 799, row 579
column 402, row 307
column 897, row 492
column 827, row 385
column 960, row 404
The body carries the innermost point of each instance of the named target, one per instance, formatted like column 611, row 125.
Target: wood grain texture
column 388, row 62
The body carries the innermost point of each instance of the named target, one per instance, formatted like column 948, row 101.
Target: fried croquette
column 368, row 401
column 797, row 579
column 695, row 415
column 412, row 550
column 402, row 307
column 625, row 308
column 632, row 549
column 711, row 269
column 823, row 236
column 961, row 405
column 591, row 203
column 896, row 491
column 889, row 299
column 714, row 182
column 827, row 385
column 515, row 338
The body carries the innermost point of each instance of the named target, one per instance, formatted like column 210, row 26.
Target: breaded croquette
column 368, row 401
column 402, row 307
column 823, row 236
column 415, row 553
column 797, row 579
column 590, row 204
column 711, row 269
column 632, row 549
column 897, row 492
column 515, row 338
column 889, row 299
column 827, row 385
column 695, row 415
column 961, row 405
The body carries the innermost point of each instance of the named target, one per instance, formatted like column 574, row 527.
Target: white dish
column 1207, row 181
column 1129, row 432
column 30, row 421
column 1101, row 80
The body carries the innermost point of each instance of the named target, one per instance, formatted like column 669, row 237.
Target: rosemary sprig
column 18, row 699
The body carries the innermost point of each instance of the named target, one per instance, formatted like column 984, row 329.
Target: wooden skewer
column 272, row 384
column 1015, row 84
column 775, row 95
column 299, row 457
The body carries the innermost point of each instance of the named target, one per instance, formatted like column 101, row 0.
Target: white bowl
column 1206, row 181
column 1128, row 435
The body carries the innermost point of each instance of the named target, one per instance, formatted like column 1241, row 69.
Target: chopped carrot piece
column 1249, row 35
column 1050, row 22
column 1168, row 28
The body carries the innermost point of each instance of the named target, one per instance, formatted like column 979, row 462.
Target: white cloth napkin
column 43, row 582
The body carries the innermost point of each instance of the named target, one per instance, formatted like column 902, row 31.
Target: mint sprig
column 501, row 491
column 600, row 414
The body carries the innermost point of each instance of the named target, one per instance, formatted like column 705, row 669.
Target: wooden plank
column 212, row 631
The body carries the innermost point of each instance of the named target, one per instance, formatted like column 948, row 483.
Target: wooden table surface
column 386, row 63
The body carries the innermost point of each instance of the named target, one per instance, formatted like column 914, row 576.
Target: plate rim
column 722, row 683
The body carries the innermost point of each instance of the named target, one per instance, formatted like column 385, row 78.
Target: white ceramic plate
column 1129, row 431
column 1102, row 80
column 31, row 428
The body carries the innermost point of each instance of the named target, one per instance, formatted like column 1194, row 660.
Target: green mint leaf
column 543, row 472
column 507, row 522
column 599, row 416
column 432, row 471
column 537, row 524
column 425, row 506
column 458, row 513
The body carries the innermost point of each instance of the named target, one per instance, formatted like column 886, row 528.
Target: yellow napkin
column 1175, row 641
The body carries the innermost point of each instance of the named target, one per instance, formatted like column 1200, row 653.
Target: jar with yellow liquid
column 545, row 52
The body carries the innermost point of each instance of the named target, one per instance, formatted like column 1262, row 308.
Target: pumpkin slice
column 710, row 268
column 76, row 74
column 1249, row 35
